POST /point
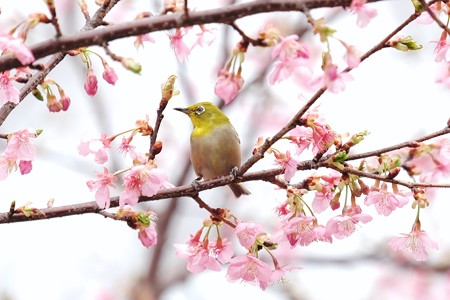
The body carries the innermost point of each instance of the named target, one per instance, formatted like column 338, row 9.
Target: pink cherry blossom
column 142, row 180
column 414, row 244
column 292, row 67
column 65, row 102
column 221, row 250
column 53, row 104
column 8, row 93
column 300, row 230
column 125, row 147
column 19, row 145
column 228, row 85
column 323, row 137
column 182, row 51
column 97, row 147
column 292, row 61
column 345, row 225
column 363, row 12
column 287, row 162
column 102, row 184
column 109, row 75
column 434, row 163
column 91, row 83
column 333, row 80
column 322, row 199
column 140, row 39
column 247, row 233
column 16, row 46
column 7, row 165
column 204, row 255
column 251, row 270
column 302, row 137
column 289, row 47
column 148, row 235
column 205, row 38
column 197, row 258
column 352, row 55
column 386, row 202
column 442, row 50
column 424, row 18
column 25, row 166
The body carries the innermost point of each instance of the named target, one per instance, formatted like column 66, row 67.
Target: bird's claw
column 234, row 173
column 195, row 183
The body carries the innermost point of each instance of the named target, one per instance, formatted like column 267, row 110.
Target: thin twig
column 54, row 19
column 407, row 144
column 37, row 78
column 433, row 16
column 293, row 122
column 224, row 15
column 211, row 210
column 246, row 38
column 407, row 184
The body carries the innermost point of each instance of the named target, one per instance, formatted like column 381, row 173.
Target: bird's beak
column 183, row 110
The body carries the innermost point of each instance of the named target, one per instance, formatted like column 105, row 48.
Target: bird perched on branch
column 215, row 144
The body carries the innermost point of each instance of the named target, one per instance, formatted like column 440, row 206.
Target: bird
column 215, row 144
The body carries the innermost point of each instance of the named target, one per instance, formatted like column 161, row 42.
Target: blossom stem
column 306, row 204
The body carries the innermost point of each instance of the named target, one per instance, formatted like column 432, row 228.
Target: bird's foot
column 195, row 184
column 234, row 173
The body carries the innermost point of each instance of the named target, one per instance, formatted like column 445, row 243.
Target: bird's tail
column 238, row 189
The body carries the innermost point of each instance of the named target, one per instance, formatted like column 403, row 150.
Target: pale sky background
column 393, row 95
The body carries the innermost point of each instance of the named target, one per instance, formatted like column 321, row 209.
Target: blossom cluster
column 19, row 152
column 143, row 178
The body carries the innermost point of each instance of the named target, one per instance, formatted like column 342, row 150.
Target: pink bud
column 109, row 75
column 91, row 83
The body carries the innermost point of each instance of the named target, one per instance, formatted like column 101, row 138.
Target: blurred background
column 393, row 95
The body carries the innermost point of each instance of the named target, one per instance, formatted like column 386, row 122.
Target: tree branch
column 224, row 15
column 191, row 191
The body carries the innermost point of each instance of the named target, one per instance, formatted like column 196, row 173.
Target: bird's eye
column 199, row 110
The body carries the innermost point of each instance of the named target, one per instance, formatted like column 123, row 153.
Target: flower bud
column 157, row 147
column 132, row 65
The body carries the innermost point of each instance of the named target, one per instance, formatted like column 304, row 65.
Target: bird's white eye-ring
column 199, row 110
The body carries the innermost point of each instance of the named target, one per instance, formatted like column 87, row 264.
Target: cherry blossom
column 91, row 83
column 300, row 230
column 322, row 199
column 322, row 135
column 287, row 162
column 109, row 74
column 145, row 180
column 301, row 137
column 20, row 146
column 292, row 61
column 363, row 12
column 247, row 233
column 7, row 165
column 148, row 235
column 204, row 255
column 228, row 85
column 414, row 244
column 8, row 93
column 386, row 202
column 126, row 148
column 178, row 45
column 333, row 80
column 25, row 166
column 343, row 226
column 16, row 46
column 101, row 185
column 97, row 147
column 251, row 270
